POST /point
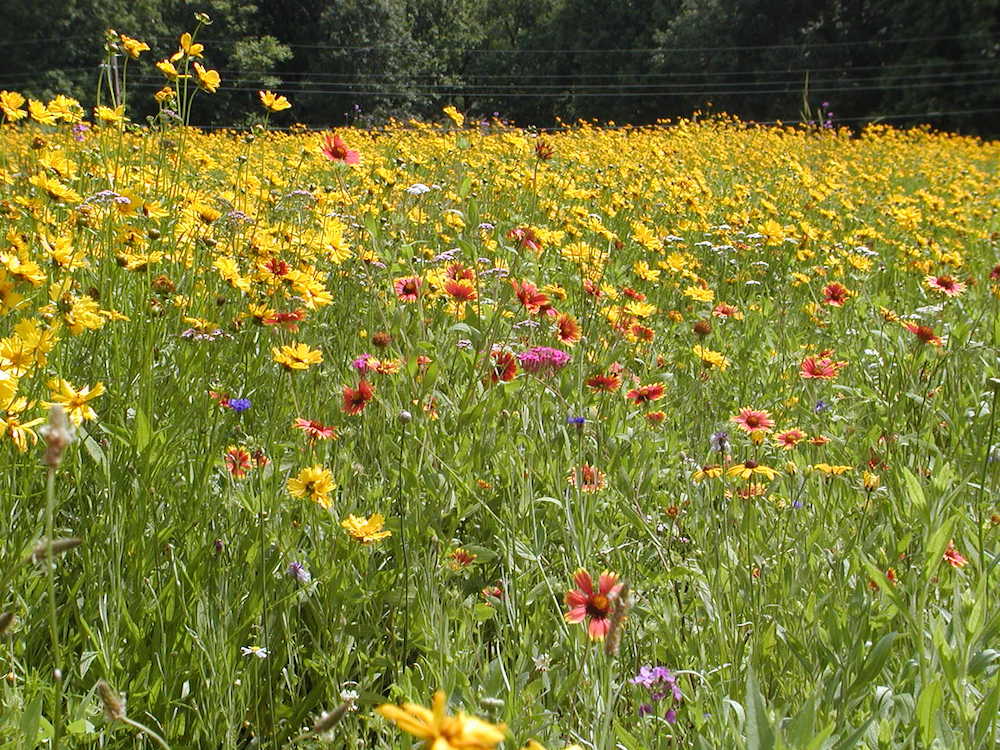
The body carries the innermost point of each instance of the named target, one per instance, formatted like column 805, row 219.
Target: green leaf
column 876, row 660
column 759, row 732
column 927, row 707
column 30, row 720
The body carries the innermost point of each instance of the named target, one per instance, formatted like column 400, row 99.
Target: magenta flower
column 543, row 360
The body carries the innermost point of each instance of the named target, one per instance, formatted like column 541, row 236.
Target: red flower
column 335, row 149
column 568, row 329
column 656, row 417
column 287, row 320
column 924, row 333
column 407, row 288
column 526, row 238
column 953, row 556
column 504, row 366
column 646, row 393
column 460, row 291
column 238, row 461
column 356, row 399
column 595, row 607
column 946, row 285
column 222, row 399
column 835, row 294
column 315, row 430
column 529, row 296
column 458, row 272
column 609, row 383
column 822, row 368
column 751, row 420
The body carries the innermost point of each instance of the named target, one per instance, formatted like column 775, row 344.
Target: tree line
column 538, row 62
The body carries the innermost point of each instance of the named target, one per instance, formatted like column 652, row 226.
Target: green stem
column 50, row 512
column 146, row 731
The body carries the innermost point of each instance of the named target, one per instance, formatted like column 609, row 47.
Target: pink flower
column 543, row 360
column 595, row 607
column 335, row 149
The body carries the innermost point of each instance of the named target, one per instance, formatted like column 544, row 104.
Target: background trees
column 533, row 60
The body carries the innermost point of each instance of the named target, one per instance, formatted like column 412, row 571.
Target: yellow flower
column 699, row 294
column 707, row 472
column 164, row 95
column 871, row 481
column 314, row 482
column 297, row 356
column 20, row 432
column 114, row 115
column 272, row 102
column 440, row 731
column 748, row 469
column 187, row 47
column 366, row 530
column 456, row 117
column 10, row 104
column 133, row 47
column 834, row 470
column 208, row 80
column 40, row 113
column 75, row 402
column 710, row 358
column 167, row 68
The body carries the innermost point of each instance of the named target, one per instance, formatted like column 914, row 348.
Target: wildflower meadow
column 462, row 436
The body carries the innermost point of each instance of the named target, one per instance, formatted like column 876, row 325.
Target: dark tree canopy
column 533, row 61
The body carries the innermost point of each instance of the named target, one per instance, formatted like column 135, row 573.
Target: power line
column 748, row 123
column 631, row 50
column 569, row 92
column 359, row 77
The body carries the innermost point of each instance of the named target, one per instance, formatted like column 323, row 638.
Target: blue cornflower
column 578, row 421
column 239, row 404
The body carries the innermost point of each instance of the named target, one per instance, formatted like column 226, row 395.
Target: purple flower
column 543, row 360
column 239, row 405
column 361, row 364
column 298, row 571
column 661, row 683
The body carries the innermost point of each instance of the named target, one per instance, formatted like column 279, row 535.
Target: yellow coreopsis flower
column 11, row 103
column 296, row 356
column 169, row 71
column 187, row 47
column 272, row 102
column 111, row 115
column 710, row 358
column 40, row 113
column 208, row 80
column 313, row 482
column 454, row 115
column 366, row 530
column 440, row 731
column 75, row 402
column 133, row 47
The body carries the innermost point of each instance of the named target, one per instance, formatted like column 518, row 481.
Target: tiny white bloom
column 259, row 651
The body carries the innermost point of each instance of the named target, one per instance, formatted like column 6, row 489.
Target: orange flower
column 356, row 399
column 646, row 393
column 751, row 420
column 594, row 606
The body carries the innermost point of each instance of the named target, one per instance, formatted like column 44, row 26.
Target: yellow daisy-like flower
column 313, row 482
column 11, row 104
column 366, row 530
column 296, row 356
column 707, row 472
column 75, row 402
column 440, row 731
column 748, row 469
column 133, row 47
column 710, row 358
column 167, row 68
column 111, row 115
column 272, row 102
column 832, row 470
column 454, row 115
column 208, row 80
